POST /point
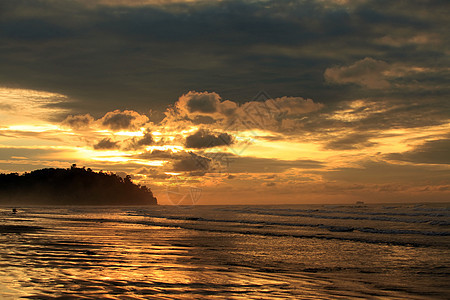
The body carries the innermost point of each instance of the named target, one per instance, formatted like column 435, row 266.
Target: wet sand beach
column 135, row 253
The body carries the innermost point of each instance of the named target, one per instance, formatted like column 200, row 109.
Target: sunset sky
column 237, row 102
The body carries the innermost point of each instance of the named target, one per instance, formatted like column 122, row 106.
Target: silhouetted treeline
column 73, row 186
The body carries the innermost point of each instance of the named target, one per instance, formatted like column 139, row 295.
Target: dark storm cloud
column 191, row 162
column 369, row 119
column 128, row 120
column 106, row 144
column 78, row 122
column 393, row 78
column 184, row 161
column 152, row 173
column 33, row 30
column 140, row 142
column 181, row 161
column 206, row 139
column 351, row 141
column 156, row 154
column 203, row 103
column 432, row 152
column 415, row 114
column 203, row 120
column 146, row 140
column 201, row 106
column 119, row 56
column 367, row 72
column 239, row 164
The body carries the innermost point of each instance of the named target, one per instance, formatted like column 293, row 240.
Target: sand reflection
column 97, row 256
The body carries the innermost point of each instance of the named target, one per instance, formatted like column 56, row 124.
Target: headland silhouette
column 72, row 186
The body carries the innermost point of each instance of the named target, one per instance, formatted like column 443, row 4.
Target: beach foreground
column 226, row 252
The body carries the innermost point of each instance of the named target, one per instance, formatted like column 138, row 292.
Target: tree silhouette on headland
column 72, row 186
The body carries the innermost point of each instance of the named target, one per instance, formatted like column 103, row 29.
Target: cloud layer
column 107, row 54
column 285, row 99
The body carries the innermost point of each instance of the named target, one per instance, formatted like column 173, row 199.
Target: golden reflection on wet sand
column 107, row 260
column 119, row 253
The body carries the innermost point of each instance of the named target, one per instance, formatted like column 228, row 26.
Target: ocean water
column 226, row 252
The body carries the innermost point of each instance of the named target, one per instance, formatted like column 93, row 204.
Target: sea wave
column 332, row 228
column 291, row 235
column 431, row 212
column 375, row 217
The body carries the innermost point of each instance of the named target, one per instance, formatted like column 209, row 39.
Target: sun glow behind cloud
column 20, row 106
column 32, row 128
column 266, row 156
column 129, row 133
